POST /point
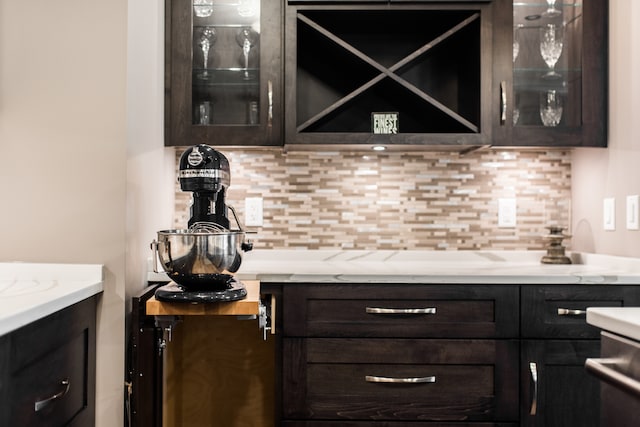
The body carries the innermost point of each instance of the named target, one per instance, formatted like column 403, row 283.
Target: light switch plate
column 507, row 213
column 609, row 214
column 632, row 213
column 253, row 212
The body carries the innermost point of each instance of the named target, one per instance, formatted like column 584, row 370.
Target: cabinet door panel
column 566, row 394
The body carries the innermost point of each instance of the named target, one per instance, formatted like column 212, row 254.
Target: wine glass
column 207, row 38
column 550, row 108
column 203, row 8
column 551, row 11
column 248, row 8
column 516, row 41
column 551, row 42
column 246, row 38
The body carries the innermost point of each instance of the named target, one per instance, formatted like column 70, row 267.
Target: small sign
column 384, row 123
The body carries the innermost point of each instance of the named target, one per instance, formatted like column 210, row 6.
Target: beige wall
column 63, row 153
column 614, row 172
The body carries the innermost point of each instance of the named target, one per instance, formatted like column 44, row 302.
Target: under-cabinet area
column 393, row 354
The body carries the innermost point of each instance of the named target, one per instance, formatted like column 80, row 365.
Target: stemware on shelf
column 551, row 43
column 248, row 8
column 207, row 38
column 203, row 8
column 551, row 11
column 550, row 108
column 516, row 41
column 246, row 38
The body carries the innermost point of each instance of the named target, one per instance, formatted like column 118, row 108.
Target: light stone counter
column 624, row 321
column 29, row 291
column 440, row 267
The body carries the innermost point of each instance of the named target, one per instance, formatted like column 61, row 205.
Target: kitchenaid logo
column 203, row 173
column 195, row 157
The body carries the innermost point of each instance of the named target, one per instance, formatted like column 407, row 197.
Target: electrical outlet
column 507, row 213
column 632, row 213
column 609, row 214
column 253, row 211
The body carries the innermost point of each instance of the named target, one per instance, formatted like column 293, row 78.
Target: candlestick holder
column 555, row 250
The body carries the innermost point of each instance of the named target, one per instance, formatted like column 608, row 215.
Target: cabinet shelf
column 226, row 77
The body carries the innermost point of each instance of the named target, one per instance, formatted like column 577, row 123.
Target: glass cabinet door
column 224, row 72
column 559, row 69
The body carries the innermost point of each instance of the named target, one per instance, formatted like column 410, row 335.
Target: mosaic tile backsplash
column 397, row 201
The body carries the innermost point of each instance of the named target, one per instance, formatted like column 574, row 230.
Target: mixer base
column 172, row 292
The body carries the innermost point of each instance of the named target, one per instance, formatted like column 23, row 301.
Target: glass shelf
column 226, row 77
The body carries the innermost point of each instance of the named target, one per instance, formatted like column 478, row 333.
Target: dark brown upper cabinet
column 388, row 73
column 223, row 72
column 550, row 70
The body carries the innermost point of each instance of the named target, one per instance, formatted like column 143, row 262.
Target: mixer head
column 205, row 172
column 203, row 169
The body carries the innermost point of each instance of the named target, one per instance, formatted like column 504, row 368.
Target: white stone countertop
column 32, row 291
column 624, row 321
column 439, row 267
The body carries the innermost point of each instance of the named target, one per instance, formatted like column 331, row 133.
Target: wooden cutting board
column 248, row 306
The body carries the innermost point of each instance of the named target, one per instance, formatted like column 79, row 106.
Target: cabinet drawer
column 392, row 424
column 401, row 311
column 42, row 382
column 51, row 361
column 396, row 379
column 560, row 311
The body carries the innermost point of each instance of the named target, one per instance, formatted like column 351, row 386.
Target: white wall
column 614, row 172
column 63, row 153
column 150, row 166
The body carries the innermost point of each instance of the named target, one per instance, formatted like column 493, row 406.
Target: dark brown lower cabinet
column 556, row 340
column 394, row 355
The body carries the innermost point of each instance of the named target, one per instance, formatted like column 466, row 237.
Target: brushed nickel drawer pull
column 533, row 368
column 416, row 380
column 380, row 310
column 569, row 312
column 39, row 404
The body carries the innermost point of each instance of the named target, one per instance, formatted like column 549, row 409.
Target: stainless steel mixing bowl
column 200, row 259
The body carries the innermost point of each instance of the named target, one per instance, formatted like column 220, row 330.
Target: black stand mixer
column 201, row 259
